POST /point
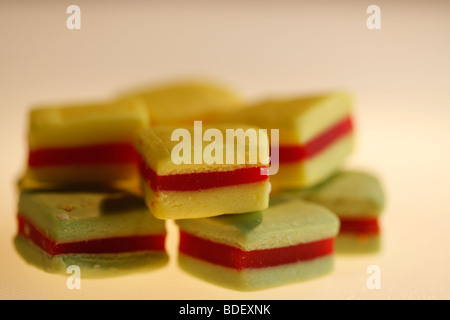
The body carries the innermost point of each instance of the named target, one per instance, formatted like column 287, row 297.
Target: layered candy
column 84, row 144
column 184, row 101
column 315, row 135
column 104, row 233
column 290, row 241
column 204, row 183
column 357, row 197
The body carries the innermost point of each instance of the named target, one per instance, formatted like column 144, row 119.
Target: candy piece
column 290, row 241
column 195, row 189
column 84, row 143
column 104, row 233
column 357, row 198
column 315, row 135
column 183, row 102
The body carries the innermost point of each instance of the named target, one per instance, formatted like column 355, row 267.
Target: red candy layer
column 200, row 180
column 295, row 153
column 98, row 154
column 360, row 226
column 94, row 246
column 238, row 259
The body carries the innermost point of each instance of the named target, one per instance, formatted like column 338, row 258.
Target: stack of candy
column 102, row 180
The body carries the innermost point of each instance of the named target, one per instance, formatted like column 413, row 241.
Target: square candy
column 186, row 189
column 358, row 198
column 290, row 241
column 104, row 233
column 84, row 143
column 315, row 135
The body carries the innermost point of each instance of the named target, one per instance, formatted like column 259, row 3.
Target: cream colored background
column 399, row 75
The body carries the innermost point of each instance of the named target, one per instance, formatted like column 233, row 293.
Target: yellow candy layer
column 185, row 101
column 86, row 124
column 208, row 202
column 298, row 119
column 308, row 173
column 156, row 146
